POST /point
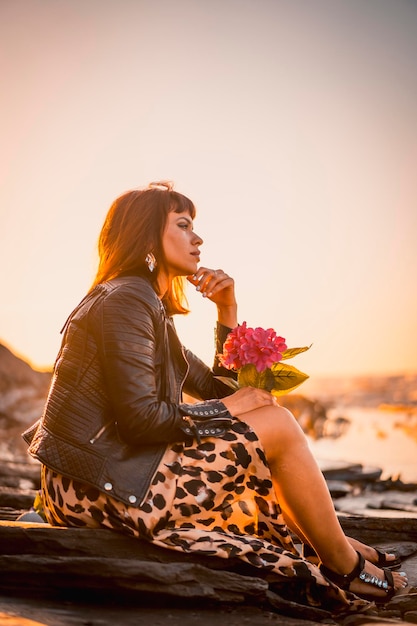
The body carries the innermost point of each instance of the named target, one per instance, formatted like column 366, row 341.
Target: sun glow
column 298, row 151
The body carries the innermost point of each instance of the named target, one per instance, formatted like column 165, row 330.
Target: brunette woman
column 229, row 475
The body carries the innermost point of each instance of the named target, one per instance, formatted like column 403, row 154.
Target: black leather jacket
column 115, row 397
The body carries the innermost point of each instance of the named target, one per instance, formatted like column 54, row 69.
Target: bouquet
column 256, row 354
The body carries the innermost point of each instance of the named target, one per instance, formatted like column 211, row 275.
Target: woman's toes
column 400, row 580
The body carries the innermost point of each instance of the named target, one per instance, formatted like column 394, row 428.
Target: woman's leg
column 368, row 552
column 303, row 493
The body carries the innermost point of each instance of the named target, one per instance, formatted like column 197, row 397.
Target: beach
column 380, row 437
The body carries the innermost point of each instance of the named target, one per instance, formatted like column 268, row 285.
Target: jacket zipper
column 99, row 433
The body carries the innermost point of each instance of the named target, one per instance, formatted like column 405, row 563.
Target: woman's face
column 180, row 245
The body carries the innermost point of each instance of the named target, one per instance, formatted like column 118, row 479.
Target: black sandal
column 383, row 562
column 343, row 581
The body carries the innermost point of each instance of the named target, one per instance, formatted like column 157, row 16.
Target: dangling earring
column 150, row 261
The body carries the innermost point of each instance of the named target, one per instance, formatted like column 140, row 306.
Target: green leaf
column 287, row 378
column 280, row 379
column 250, row 377
column 291, row 352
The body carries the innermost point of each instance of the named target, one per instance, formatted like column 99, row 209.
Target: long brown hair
column 133, row 228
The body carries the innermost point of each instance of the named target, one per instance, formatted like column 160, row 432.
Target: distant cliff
column 23, row 392
column 365, row 391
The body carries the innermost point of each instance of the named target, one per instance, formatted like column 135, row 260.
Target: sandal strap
column 384, row 562
column 343, row 580
column 385, row 584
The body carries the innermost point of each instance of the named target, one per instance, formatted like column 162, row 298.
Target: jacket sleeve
column 204, row 383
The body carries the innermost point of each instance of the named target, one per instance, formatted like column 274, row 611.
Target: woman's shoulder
column 131, row 288
column 125, row 297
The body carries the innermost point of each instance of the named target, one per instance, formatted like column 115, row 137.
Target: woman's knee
column 276, row 426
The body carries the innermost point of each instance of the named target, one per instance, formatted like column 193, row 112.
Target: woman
column 226, row 476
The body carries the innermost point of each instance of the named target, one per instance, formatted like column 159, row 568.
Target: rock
column 411, row 616
column 14, row 620
column 339, row 488
column 113, row 575
column 349, row 472
column 20, row 475
column 292, row 609
column 21, row 388
column 42, row 560
column 407, row 601
column 17, row 498
column 374, row 530
column 396, row 505
column 30, row 516
column 371, row 503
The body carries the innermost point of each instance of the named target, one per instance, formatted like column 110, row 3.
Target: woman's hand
column 248, row 399
column 218, row 287
column 215, row 285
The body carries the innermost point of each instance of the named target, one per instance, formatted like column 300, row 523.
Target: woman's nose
column 197, row 239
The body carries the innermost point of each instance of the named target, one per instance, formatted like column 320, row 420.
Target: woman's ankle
column 341, row 562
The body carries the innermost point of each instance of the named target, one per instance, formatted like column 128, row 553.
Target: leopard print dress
column 213, row 498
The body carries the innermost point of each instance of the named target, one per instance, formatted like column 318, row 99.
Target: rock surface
column 100, row 566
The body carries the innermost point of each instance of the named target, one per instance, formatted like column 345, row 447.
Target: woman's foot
column 385, row 560
column 368, row 581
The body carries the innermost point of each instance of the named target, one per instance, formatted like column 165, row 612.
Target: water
column 385, row 439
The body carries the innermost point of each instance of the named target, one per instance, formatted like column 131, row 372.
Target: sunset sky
column 292, row 124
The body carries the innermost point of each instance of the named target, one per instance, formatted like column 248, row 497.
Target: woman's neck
column 162, row 284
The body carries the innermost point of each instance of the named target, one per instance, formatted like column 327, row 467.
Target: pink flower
column 257, row 346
